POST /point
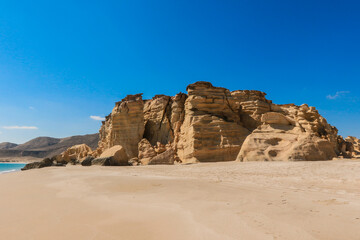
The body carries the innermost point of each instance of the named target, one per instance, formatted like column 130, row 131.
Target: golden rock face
column 210, row 124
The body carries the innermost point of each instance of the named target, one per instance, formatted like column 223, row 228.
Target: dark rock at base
column 87, row 161
column 47, row 162
column 59, row 165
column 31, row 166
column 102, row 161
column 108, row 161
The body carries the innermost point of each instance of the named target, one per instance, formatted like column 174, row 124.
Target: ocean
column 10, row 167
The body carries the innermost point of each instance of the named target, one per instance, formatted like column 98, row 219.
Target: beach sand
column 251, row 200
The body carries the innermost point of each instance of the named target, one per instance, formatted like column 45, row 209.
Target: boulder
column 74, row 154
column 166, row 157
column 46, row 162
column 106, row 161
column 87, row 161
column 117, row 155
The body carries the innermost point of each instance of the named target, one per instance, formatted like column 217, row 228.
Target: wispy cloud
column 31, row 108
column 97, row 118
column 20, row 127
column 337, row 95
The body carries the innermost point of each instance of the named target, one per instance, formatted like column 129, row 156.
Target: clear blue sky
column 64, row 61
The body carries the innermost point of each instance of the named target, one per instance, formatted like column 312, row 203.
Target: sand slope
column 253, row 200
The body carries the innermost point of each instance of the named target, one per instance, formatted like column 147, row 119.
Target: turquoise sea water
column 10, row 167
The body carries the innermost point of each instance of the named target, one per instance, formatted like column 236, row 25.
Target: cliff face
column 124, row 126
column 212, row 128
column 213, row 124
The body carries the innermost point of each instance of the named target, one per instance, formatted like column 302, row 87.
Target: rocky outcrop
column 281, row 139
column 158, row 154
column 146, row 151
column 351, row 147
column 166, row 157
column 74, row 153
column 124, row 126
column 46, row 162
column 212, row 129
column 211, row 124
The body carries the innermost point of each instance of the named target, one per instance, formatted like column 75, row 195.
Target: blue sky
column 64, row 61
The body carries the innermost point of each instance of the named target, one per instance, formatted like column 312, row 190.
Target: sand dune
column 252, row 200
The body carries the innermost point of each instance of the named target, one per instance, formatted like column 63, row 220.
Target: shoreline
column 23, row 160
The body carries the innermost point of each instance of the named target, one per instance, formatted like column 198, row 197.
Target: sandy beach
column 253, row 200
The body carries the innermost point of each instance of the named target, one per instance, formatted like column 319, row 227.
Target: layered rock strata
column 124, row 126
column 211, row 124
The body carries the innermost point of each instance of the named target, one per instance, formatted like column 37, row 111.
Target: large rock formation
column 213, row 124
column 124, row 126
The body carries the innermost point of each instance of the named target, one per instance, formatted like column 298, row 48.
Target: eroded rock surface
column 124, row 126
column 352, row 147
column 210, row 124
column 74, row 153
column 212, row 129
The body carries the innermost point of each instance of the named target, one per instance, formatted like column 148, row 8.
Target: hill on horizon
column 42, row 147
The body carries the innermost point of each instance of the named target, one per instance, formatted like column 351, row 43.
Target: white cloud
column 31, row 108
column 337, row 95
column 21, row 127
column 97, row 118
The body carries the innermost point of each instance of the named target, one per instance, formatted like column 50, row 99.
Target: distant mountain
column 38, row 143
column 46, row 146
column 7, row 145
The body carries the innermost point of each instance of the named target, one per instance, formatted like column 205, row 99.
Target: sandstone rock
column 74, row 154
column 133, row 161
column 212, row 129
column 284, row 143
column 352, row 147
column 157, row 120
column 276, row 118
column 211, row 123
column 146, row 151
column 117, row 154
column 251, row 104
column 106, row 161
column 124, row 126
column 167, row 157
